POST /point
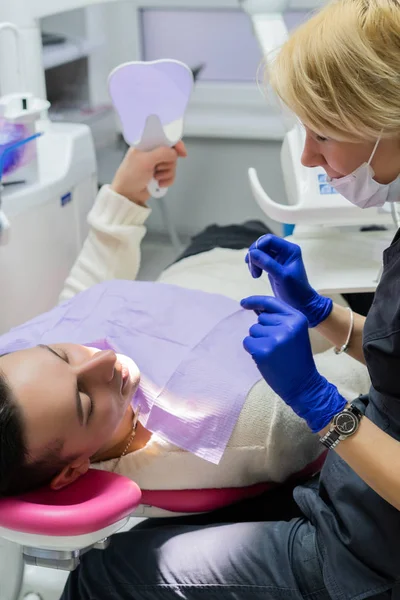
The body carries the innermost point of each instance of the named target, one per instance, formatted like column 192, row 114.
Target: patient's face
column 71, row 393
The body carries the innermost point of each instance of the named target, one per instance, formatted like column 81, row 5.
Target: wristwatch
column 345, row 423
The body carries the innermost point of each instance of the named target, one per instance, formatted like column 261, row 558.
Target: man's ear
column 70, row 473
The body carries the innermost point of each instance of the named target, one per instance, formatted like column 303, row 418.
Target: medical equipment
column 48, row 177
column 12, row 150
column 54, row 529
column 19, row 114
column 13, row 156
column 48, row 223
column 151, row 99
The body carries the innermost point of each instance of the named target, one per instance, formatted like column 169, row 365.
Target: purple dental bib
column 195, row 374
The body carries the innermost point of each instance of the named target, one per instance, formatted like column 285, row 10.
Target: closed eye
column 65, row 356
column 61, row 353
column 91, row 403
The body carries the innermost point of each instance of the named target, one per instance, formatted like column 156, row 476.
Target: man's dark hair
column 17, row 473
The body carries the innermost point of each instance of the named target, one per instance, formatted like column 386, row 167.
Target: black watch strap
column 358, row 407
column 330, row 439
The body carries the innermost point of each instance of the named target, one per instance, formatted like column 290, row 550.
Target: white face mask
column 361, row 189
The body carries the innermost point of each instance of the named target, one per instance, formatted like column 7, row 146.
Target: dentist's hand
column 283, row 262
column 138, row 168
column 280, row 346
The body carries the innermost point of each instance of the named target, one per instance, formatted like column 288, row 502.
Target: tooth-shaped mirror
column 151, row 99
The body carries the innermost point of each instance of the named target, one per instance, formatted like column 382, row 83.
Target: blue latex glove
column 280, row 346
column 283, row 262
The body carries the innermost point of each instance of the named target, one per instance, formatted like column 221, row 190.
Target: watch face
column 346, row 423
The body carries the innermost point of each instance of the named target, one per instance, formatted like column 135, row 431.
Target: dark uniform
column 358, row 532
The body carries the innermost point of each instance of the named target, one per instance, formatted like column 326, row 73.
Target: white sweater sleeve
column 112, row 248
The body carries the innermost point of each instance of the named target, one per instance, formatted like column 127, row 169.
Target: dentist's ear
column 70, row 473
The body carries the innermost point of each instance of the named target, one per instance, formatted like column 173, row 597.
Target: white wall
column 71, row 23
column 212, row 185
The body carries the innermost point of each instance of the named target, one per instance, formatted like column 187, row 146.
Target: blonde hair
column 339, row 72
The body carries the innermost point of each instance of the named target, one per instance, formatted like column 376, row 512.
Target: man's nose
column 100, row 366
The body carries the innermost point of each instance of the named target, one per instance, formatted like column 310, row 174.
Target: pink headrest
column 93, row 502
column 99, row 499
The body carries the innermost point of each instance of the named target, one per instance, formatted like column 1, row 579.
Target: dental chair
column 55, row 528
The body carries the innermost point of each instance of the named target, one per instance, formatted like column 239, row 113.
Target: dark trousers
column 258, row 549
